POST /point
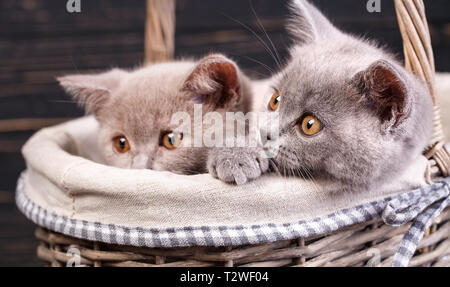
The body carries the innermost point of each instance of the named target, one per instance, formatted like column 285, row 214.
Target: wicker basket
column 367, row 244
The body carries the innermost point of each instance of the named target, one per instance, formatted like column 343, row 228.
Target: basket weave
column 368, row 244
column 419, row 59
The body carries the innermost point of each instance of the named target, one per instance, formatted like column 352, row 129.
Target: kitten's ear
column 92, row 90
column 386, row 90
column 307, row 24
column 214, row 82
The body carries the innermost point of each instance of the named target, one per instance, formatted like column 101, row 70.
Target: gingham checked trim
column 223, row 235
column 194, row 236
column 407, row 207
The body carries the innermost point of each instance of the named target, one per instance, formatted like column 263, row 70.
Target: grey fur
column 377, row 116
column 237, row 165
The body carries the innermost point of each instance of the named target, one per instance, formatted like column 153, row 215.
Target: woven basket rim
column 214, row 236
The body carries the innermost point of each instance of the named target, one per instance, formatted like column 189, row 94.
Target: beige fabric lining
column 442, row 91
column 62, row 182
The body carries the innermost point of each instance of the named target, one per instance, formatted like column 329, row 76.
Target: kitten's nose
column 150, row 161
column 266, row 136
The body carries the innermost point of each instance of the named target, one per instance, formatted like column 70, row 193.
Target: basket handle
column 159, row 30
column 419, row 59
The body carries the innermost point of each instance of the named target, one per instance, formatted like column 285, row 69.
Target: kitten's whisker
column 273, row 163
column 310, row 176
column 300, row 173
column 74, row 65
column 263, row 75
column 63, row 101
column 259, row 62
column 278, row 60
column 264, row 44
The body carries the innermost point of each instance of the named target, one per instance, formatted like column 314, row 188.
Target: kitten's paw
column 237, row 165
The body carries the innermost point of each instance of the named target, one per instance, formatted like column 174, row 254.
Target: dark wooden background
column 40, row 40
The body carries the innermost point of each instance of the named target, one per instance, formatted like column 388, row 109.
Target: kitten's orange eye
column 310, row 125
column 274, row 101
column 172, row 140
column 121, row 144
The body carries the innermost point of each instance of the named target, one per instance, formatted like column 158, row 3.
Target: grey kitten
column 348, row 111
column 135, row 109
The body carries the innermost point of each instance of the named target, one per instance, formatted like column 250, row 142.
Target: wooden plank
column 39, row 105
column 6, row 196
column 11, row 146
column 29, row 124
column 17, row 242
column 23, row 89
column 50, row 17
column 104, row 42
column 10, row 169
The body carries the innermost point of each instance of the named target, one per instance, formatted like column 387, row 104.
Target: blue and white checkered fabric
column 423, row 205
